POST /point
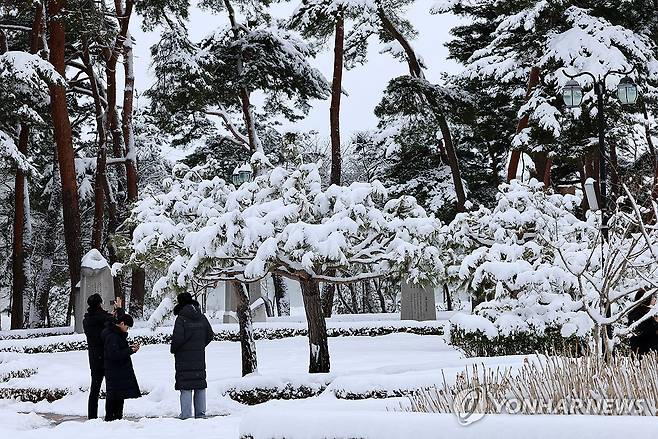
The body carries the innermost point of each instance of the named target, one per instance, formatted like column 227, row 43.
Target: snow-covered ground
column 358, row 364
column 375, row 359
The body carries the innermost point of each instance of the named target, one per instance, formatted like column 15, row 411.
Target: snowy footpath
column 382, row 365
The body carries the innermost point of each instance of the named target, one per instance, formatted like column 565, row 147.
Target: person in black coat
column 192, row 333
column 120, row 380
column 93, row 324
column 645, row 335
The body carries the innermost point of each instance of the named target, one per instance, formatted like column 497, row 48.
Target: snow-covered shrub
column 283, row 222
column 223, row 333
column 531, row 265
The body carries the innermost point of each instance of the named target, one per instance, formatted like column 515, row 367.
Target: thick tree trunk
column 127, row 121
column 515, row 154
column 317, row 328
column 19, row 276
column 138, row 279
column 247, row 344
column 64, row 141
column 543, row 163
column 21, row 227
column 281, row 296
column 336, row 93
column 327, row 298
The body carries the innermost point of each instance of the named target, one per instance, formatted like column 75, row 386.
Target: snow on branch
column 285, row 222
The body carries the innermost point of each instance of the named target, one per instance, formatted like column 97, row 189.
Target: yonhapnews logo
column 472, row 404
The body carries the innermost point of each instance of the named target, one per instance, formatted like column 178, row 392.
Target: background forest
column 79, row 147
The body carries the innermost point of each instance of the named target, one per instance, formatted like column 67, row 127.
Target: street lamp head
column 242, row 174
column 572, row 94
column 627, row 91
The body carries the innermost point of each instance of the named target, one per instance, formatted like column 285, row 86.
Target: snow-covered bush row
column 222, row 333
column 32, row 394
column 476, row 343
column 258, row 395
column 21, row 373
column 18, row 334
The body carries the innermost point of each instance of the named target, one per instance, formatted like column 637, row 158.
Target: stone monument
column 418, row 302
column 258, row 313
column 95, row 278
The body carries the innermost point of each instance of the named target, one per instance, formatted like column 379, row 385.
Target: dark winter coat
column 645, row 337
column 93, row 324
column 192, row 333
column 120, row 380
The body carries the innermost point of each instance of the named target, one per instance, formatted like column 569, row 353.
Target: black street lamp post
column 627, row 92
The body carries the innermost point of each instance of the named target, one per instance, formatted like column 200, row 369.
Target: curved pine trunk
column 247, row 344
column 317, row 328
column 515, row 154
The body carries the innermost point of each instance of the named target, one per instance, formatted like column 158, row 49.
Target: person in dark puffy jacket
column 192, row 333
column 645, row 335
column 93, row 324
column 120, row 380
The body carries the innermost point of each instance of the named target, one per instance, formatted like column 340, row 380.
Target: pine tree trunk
column 244, row 94
column 281, row 296
column 247, row 344
column 446, row 293
column 64, row 141
column 380, row 295
column 416, row 71
column 21, row 246
column 452, row 154
column 317, row 329
column 354, row 298
column 327, row 298
column 138, row 279
column 3, row 42
column 336, row 93
column 19, row 277
column 101, row 157
column 515, row 155
column 367, row 296
column 652, row 148
column 44, row 279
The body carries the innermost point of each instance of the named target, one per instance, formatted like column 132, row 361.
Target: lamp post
column 241, row 174
column 573, row 95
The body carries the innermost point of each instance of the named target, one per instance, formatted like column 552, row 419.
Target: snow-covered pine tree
column 284, row 222
column 23, row 107
column 554, row 36
column 216, row 76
